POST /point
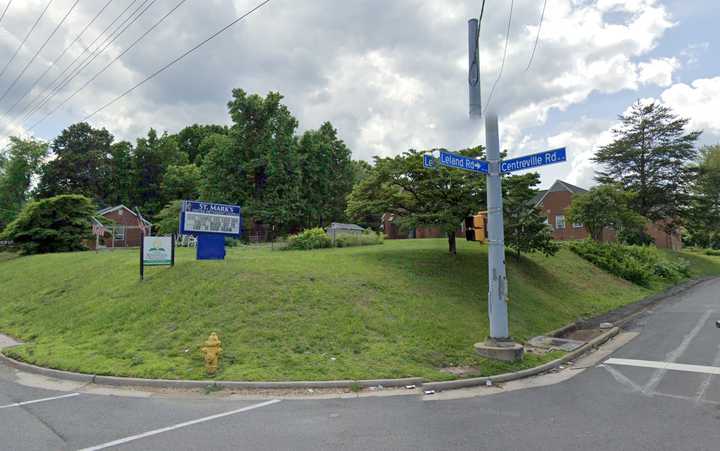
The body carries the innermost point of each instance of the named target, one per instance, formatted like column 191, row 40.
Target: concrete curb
column 639, row 307
column 506, row 377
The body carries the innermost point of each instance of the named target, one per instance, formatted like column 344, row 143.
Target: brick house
column 392, row 231
column 555, row 202
column 121, row 228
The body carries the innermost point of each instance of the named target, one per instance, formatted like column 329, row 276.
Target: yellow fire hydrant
column 211, row 351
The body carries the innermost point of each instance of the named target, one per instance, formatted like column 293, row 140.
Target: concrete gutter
column 620, row 316
column 506, row 377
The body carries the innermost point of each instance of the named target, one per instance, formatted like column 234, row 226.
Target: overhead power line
column 114, row 35
column 32, row 60
column 101, row 71
column 174, row 61
column 5, row 10
column 502, row 65
column 17, row 50
column 58, row 58
column 51, row 87
column 537, row 37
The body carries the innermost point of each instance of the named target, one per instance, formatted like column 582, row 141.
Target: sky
column 389, row 75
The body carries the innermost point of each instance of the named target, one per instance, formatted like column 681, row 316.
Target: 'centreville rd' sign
column 534, row 160
column 205, row 217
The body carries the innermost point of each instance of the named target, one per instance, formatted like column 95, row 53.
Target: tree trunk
column 451, row 243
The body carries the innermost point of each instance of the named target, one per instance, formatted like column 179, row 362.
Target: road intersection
column 659, row 391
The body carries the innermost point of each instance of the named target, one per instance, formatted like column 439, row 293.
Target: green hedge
column 637, row 264
column 317, row 239
column 364, row 239
column 309, row 239
column 713, row 252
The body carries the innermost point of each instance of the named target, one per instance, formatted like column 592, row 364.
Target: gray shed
column 338, row 228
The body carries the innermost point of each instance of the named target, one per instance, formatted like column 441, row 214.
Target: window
column 559, row 222
column 577, row 225
column 547, row 223
column 120, row 232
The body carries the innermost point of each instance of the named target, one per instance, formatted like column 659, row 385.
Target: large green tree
column 153, row 155
column 55, row 224
column 524, row 225
column 326, row 171
column 420, row 196
column 182, row 182
column 704, row 219
column 190, row 138
column 20, row 162
column 119, row 186
column 81, row 164
column 650, row 156
column 606, row 206
column 257, row 165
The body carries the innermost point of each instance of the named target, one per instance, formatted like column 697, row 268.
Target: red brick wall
column 556, row 204
column 132, row 232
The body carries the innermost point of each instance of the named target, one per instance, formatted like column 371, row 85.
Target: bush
column 55, row 224
column 367, row 238
column 309, row 239
column 713, row 252
column 637, row 264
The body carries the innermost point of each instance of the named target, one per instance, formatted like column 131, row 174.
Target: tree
column 326, row 176
column 182, row 182
column 168, row 220
column 650, row 156
column 525, row 228
column 152, row 157
column 257, row 164
column 417, row 195
column 81, row 164
column 606, row 206
column 704, row 216
column 19, row 163
column 190, row 138
column 55, row 224
column 119, row 188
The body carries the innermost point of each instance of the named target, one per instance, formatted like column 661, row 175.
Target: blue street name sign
column 534, row 160
column 428, row 161
column 460, row 162
column 205, row 217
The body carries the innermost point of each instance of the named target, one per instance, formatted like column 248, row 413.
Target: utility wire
column 537, row 38
column 186, row 53
column 5, row 10
column 17, row 50
column 101, row 71
column 502, row 65
column 54, row 62
column 97, row 52
column 32, row 60
column 52, row 86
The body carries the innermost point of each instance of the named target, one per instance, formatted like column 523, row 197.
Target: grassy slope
column 405, row 308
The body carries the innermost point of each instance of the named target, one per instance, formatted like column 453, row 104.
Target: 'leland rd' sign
column 205, row 217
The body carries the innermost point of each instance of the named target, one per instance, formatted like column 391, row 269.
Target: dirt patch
column 462, row 371
column 585, row 334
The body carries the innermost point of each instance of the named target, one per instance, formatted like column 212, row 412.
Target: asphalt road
column 661, row 391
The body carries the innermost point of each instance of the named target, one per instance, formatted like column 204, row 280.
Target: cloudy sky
column 390, row 75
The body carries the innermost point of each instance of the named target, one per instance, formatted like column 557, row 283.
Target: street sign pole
column 497, row 280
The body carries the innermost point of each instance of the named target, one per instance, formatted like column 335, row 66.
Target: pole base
column 507, row 351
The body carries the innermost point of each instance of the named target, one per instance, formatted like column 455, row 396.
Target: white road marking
column 178, row 426
column 665, row 366
column 35, row 401
column 622, row 378
column 675, row 354
column 706, row 383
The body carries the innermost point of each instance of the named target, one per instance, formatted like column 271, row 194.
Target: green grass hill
column 405, row 308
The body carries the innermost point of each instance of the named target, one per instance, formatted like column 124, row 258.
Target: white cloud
column 658, row 71
column 699, row 101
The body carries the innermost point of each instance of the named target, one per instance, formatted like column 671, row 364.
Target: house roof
column 557, row 187
column 340, row 225
column 107, row 210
